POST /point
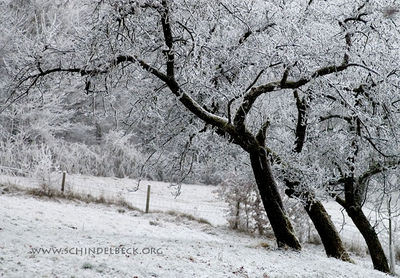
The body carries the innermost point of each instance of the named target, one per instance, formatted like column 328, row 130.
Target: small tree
column 246, row 212
column 245, row 209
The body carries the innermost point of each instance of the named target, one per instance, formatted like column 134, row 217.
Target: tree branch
column 377, row 169
column 166, row 26
column 324, row 118
column 101, row 69
column 301, row 126
column 340, row 201
column 262, row 133
column 239, row 96
column 249, row 32
column 255, row 92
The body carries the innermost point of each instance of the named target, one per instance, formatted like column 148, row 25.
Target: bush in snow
column 113, row 156
column 246, row 211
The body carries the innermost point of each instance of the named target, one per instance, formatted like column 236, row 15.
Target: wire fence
column 197, row 200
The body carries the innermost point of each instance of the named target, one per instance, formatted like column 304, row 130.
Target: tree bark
column 272, row 201
column 378, row 256
column 327, row 231
column 353, row 207
column 323, row 224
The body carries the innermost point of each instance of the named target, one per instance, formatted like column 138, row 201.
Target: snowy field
column 155, row 244
column 198, row 200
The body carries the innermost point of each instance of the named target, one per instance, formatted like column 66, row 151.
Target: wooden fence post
column 148, row 199
column 63, row 181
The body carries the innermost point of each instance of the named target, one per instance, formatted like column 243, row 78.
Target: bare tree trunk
column 352, row 204
column 237, row 216
column 378, row 256
column 323, row 224
column 327, row 231
column 272, row 201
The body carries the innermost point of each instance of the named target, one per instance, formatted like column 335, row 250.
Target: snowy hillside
column 284, row 110
column 159, row 245
column 197, row 200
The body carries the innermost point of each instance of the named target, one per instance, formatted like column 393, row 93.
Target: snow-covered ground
column 198, row 200
column 156, row 244
column 166, row 246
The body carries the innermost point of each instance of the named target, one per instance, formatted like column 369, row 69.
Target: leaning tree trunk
column 327, row 231
column 323, row 224
column 272, row 201
column 378, row 256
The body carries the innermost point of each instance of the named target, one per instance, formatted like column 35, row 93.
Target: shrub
column 87, row 266
column 113, row 156
column 246, row 211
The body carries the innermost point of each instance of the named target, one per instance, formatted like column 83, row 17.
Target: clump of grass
column 46, row 192
column 188, row 217
column 203, row 221
column 264, row 244
column 120, row 210
column 314, row 239
column 8, row 188
column 123, row 203
column 154, row 223
column 169, row 212
column 42, row 191
column 356, row 248
column 87, row 266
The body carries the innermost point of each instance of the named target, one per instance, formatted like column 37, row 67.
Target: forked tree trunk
column 378, row 256
column 327, row 231
column 272, row 201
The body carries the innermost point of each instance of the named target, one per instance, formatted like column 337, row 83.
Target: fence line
column 207, row 207
column 161, row 197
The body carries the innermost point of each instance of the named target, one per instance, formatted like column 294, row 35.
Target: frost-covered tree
column 245, row 210
column 233, row 65
column 348, row 125
column 55, row 127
